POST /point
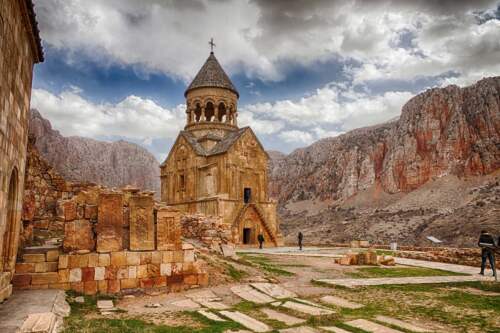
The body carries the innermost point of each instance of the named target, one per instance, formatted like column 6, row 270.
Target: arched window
column 9, row 233
column 209, row 111
column 197, row 112
column 222, row 111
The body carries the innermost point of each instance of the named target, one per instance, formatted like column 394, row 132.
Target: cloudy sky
column 305, row 69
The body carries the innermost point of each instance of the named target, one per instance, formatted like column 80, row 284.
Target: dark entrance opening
column 247, row 194
column 247, row 232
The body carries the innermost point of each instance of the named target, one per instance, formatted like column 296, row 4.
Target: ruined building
column 217, row 168
column 20, row 49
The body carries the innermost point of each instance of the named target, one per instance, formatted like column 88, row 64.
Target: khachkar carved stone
column 168, row 226
column 110, row 222
column 78, row 235
column 142, row 229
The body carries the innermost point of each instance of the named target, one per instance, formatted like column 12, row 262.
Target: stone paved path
column 370, row 326
column 402, row 324
column 351, row 283
column 334, row 329
column 283, row 317
column 307, row 309
column 210, row 315
column 438, row 265
column 16, row 309
column 274, row 290
column 301, row 329
column 341, row 302
column 250, row 294
column 246, row 321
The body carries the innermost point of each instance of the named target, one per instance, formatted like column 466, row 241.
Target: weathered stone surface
column 370, row 326
column 283, row 317
column 142, row 230
column 110, row 222
column 39, row 322
column 78, row 235
column 338, row 301
column 274, row 290
column 334, row 329
column 301, row 329
column 249, row 294
column 307, row 309
column 246, row 321
column 403, row 324
column 168, row 229
column 210, row 315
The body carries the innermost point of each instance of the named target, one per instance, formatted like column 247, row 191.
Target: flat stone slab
column 39, row 322
column 249, row 294
column 210, row 315
column 305, row 301
column 274, row 290
column 307, row 309
column 213, row 305
column 282, row 317
column 334, row 329
column 438, row 265
column 351, row 283
column 246, row 321
column 341, row 302
column 370, row 326
column 207, row 295
column 186, row 304
column 301, row 329
column 105, row 304
column 402, row 324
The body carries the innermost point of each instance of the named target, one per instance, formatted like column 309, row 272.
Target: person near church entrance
column 300, row 237
column 260, row 238
column 488, row 246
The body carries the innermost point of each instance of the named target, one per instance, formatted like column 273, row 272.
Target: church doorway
column 247, row 194
column 8, row 236
column 247, row 235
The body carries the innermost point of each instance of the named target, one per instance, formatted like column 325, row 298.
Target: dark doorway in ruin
column 8, row 236
column 247, row 194
column 247, row 233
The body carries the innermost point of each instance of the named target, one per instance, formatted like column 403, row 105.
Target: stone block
column 104, row 259
column 77, row 286
column 33, row 257
column 63, row 261
column 133, row 258
column 99, row 273
column 142, row 271
column 44, row 278
column 142, row 229
column 179, row 256
column 118, row 259
column 78, row 260
column 78, row 235
column 90, row 287
column 52, row 255
column 75, row 275
column 160, row 281
column 52, row 266
column 42, row 322
column 190, row 279
column 88, row 274
column 122, row 273
column 66, row 210
column 153, row 270
column 41, row 267
column 114, row 286
column 111, row 273
column 146, row 258
column 167, row 257
column 146, row 283
column 156, row 257
column 203, row 279
column 63, row 275
column 168, row 228
column 102, row 286
column 93, row 259
column 110, row 222
column 25, row 267
column 90, row 212
column 60, row 285
column 188, row 255
column 128, row 283
column 21, row 281
column 132, row 272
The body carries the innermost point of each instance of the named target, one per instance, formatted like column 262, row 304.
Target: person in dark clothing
column 300, row 237
column 488, row 245
column 260, row 238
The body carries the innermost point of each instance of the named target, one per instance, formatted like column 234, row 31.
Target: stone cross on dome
column 212, row 44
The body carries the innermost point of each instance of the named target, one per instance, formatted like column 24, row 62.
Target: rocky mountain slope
column 113, row 164
column 444, row 132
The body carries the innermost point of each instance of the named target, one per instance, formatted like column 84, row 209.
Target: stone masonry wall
column 210, row 230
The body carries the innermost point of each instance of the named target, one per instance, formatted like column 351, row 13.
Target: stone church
column 217, row 168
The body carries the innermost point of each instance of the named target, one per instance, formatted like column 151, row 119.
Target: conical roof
column 212, row 75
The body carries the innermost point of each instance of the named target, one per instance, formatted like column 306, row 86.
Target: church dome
column 210, row 75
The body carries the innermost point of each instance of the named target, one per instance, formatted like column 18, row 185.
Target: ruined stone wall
column 211, row 231
column 17, row 57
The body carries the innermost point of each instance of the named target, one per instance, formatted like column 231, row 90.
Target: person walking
column 488, row 245
column 300, row 237
column 260, row 238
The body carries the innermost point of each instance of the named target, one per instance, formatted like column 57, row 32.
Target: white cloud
column 134, row 117
column 296, row 136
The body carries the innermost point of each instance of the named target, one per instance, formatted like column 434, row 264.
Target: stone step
column 282, row 317
column 307, row 309
column 403, row 324
column 274, row 290
column 341, row 302
column 246, row 321
column 370, row 326
column 40, row 249
column 249, row 294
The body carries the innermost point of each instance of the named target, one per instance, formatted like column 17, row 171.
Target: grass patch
column 265, row 264
column 234, row 273
column 467, row 300
column 381, row 272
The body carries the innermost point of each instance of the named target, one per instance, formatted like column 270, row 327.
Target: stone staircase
column 38, row 268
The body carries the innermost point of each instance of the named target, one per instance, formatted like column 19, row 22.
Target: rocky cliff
column 443, row 131
column 113, row 164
